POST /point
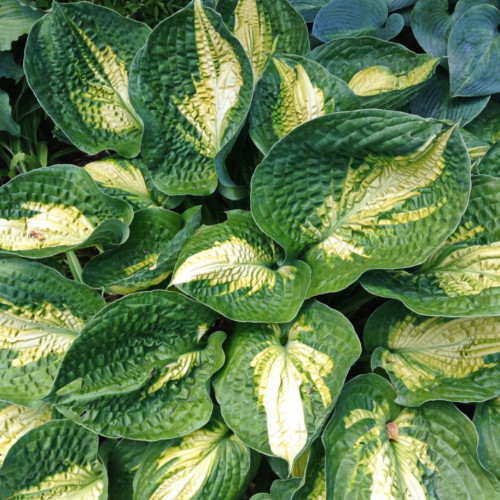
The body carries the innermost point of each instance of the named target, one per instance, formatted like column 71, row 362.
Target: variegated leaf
column 141, row 368
column 130, row 181
column 148, row 256
column 233, row 268
column 41, row 313
column 210, row 463
column 487, row 422
column 77, row 63
column 265, row 27
column 382, row 74
column 15, row 421
column 376, row 449
column 462, row 277
column 360, row 190
column 56, row 460
column 428, row 358
column 285, row 379
column 52, row 210
column 192, row 107
column 292, row 91
column 313, row 484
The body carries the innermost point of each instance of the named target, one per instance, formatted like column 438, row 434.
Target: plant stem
column 74, row 266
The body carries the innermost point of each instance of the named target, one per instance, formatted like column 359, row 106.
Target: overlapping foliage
column 182, row 301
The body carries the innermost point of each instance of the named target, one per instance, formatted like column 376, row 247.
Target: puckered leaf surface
column 210, row 464
column 285, row 379
column 192, row 106
column 141, row 368
column 51, row 210
column 487, row 422
column 428, row 358
column 265, row 27
column 357, row 190
column 382, row 74
column 41, row 313
column 377, row 449
column 292, row 91
column 462, row 277
column 233, row 268
column 77, row 63
column 55, row 460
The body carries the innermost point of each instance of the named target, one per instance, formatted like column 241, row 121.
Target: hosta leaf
column 15, row 421
column 77, row 62
column 210, row 463
column 136, row 265
column 455, row 359
column 6, row 121
column 399, row 4
column 487, row 422
column 462, row 277
column 130, row 181
column 382, row 74
column 473, row 54
column 52, row 210
column 377, row 449
column 313, row 486
column 435, row 101
column 192, row 107
column 366, row 189
column 233, row 268
column 292, row 91
column 122, row 465
column 55, row 460
column 265, row 27
column 285, row 379
column 489, row 164
column 308, row 8
column 341, row 18
column 41, row 313
column 487, row 125
column 16, row 19
column 9, row 68
column 280, row 490
column 140, row 368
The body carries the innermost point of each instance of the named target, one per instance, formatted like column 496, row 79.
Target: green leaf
column 382, row 74
column 489, row 164
column 292, row 91
column 313, row 485
column 360, row 190
column 6, row 121
column 51, row 210
column 41, row 313
column 343, row 18
column 197, row 104
column 435, row 101
column 77, row 62
column 122, row 464
column 210, row 463
column 233, row 268
column 393, row 5
column 285, row 379
column 15, row 421
column 265, row 27
column 308, row 8
column 487, row 422
column 129, row 181
column 487, row 125
column 8, row 67
column 16, row 20
column 377, row 449
column 140, row 368
column 455, row 359
column 474, row 54
column 462, row 277
column 55, row 460
column 147, row 257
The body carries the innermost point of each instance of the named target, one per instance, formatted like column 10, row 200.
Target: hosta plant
column 266, row 261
